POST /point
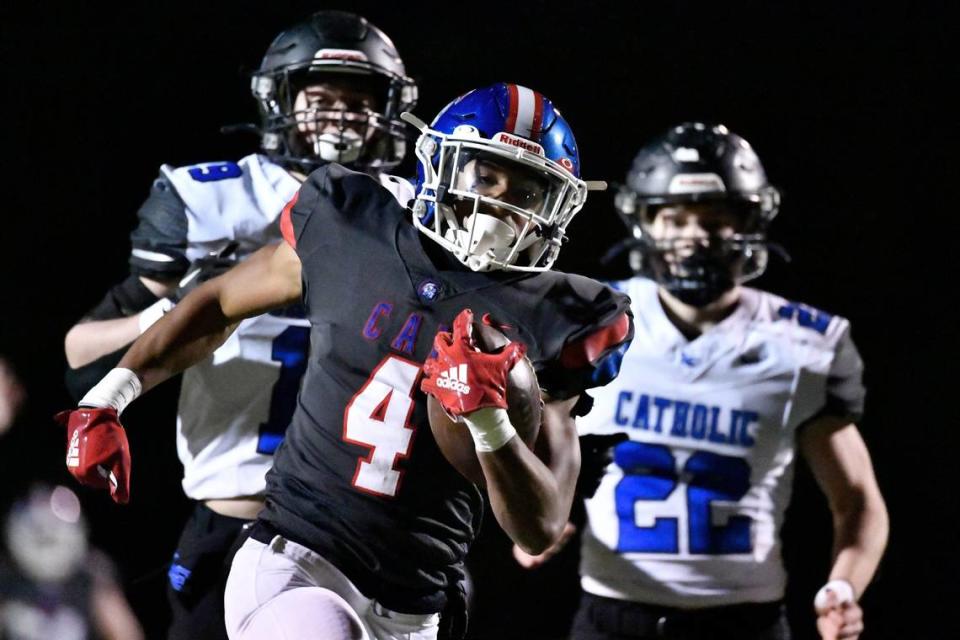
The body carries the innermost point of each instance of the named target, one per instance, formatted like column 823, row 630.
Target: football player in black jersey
column 366, row 524
column 329, row 88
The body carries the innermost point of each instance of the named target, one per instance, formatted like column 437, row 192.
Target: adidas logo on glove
column 455, row 379
column 73, row 452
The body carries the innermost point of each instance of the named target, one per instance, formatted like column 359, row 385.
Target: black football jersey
column 359, row 478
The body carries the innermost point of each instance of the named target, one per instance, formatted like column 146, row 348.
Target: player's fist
column 838, row 614
column 98, row 454
column 845, row 621
column 463, row 378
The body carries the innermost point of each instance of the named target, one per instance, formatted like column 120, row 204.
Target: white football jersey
column 236, row 405
column 689, row 512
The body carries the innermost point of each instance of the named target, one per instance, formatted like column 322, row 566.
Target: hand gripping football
column 524, row 406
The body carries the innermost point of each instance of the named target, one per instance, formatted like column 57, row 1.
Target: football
column 525, row 408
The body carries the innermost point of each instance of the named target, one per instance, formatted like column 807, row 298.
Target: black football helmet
column 334, row 46
column 693, row 163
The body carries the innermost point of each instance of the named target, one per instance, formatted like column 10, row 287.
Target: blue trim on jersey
column 609, row 366
column 806, row 316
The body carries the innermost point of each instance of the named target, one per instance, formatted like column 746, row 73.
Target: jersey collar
column 698, row 355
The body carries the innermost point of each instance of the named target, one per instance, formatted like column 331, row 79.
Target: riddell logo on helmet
column 455, row 379
column 696, row 183
column 340, row 54
column 514, row 141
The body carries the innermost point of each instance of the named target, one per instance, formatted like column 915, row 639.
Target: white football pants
column 285, row 591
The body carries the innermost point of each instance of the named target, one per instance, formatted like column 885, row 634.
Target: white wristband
column 842, row 589
column 153, row 313
column 118, row 388
column 490, row 428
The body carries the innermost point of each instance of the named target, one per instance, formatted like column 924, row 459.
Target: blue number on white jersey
column 290, row 350
column 806, row 316
column 714, row 477
column 649, row 473
column 216, row 171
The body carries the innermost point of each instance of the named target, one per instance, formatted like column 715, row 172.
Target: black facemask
column 697, row 279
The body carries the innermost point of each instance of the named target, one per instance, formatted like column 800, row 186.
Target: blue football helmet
column 498, row 179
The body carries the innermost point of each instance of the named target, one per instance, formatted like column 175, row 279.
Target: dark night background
column 844, row 104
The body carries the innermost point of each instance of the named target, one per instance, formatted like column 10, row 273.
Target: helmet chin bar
column 702, row 280
column 484, row 242
column 705, row 275
column 378, row 143
column 480, row 240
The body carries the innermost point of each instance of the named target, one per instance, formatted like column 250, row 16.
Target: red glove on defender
column 98, row 454
column 464, row 379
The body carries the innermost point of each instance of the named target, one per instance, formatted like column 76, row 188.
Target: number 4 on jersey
column 378, row 417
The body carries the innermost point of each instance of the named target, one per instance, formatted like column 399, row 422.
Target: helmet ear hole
column 262, row 87
column 626, row 201
column 770, row 202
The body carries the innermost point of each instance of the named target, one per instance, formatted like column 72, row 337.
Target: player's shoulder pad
column 202, row 186
column 333, row 194
column 590, row 327
column 800, row 322
column 159, row 241
column 826, row 341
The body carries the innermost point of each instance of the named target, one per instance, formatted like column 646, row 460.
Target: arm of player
column 91, row 339
column 157, row 261
column 200, row 323
column 531, row 499
column 530, row 494
column 596, row 452
column 841, row 464
column 98, row 454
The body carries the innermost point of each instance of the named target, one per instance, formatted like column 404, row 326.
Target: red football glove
column 463, row 378
column 98, row 454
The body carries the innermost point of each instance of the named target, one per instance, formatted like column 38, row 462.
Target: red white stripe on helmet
column 526, row 112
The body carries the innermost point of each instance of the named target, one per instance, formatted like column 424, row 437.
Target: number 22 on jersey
column 378, row 417
column 650, row 475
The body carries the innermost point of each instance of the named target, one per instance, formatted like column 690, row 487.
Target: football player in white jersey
column 328, row 89
column 722, row 386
